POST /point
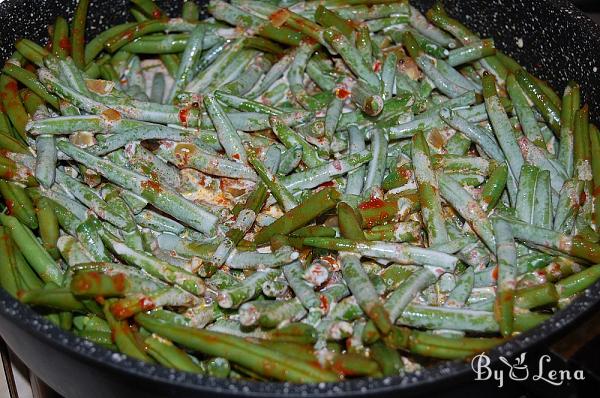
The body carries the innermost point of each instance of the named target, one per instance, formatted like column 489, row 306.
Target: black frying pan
column 558, row 43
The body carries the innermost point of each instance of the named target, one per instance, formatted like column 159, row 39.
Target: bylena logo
column 519, row 371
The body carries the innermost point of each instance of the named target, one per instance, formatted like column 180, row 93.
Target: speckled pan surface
column 551, row 38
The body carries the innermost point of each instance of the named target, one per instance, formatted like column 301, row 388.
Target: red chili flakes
column 236, row 156
column 495, row 273
column 342, row 93
column 377, row 66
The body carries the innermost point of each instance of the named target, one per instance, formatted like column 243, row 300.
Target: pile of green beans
column 294, row 191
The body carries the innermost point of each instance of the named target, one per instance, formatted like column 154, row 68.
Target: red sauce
column 342, row 93
column 111, row 115
column 183, row 116
column 338, row 367
column 120, row 312
column 495, row 273
column 327, row 184
column 324, row 303
column 128, row 35
column 309, row 40
column 582, row 198
column 10, row 206
column 30, row 68
column 12, row 86
column 154, row 175
column 65, row 44
column 153, row 185
column 119, row 282
column 82, row 285
column 405, row 173
column 436, row 138
column 146, row 304
column 373, row 203
column 279, row 17
column 76, row 34
column 95, row 276
column 156, row 14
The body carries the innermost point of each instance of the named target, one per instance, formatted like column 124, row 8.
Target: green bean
column 502, row 128
column 12, row 104
column 535, row 93
column 301, row 215
column 507, row 258
column 237, row 350
column 78, row 33
column 9, row 276
column 428, row 191
column 205, row 211
column 18, row 203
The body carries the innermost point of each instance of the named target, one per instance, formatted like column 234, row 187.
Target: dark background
column 592, row 7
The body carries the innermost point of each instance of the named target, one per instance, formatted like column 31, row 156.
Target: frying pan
column 550, row 37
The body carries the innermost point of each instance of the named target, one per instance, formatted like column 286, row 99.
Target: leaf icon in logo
column 521, row 359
